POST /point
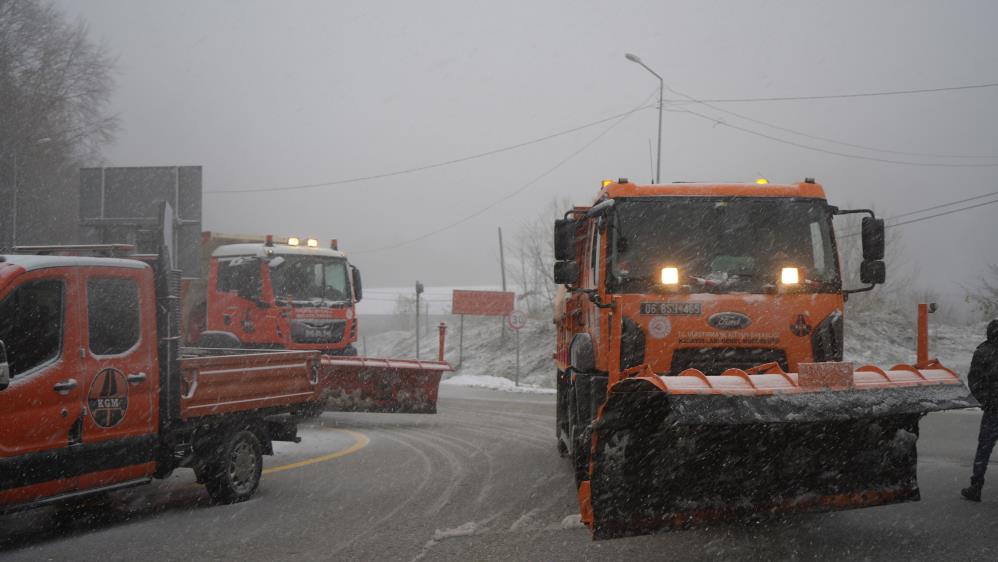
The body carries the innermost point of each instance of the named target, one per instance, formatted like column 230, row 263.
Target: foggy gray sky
column 267, row 94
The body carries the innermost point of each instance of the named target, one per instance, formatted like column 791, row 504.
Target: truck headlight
column 670, row 275
column 790, row 276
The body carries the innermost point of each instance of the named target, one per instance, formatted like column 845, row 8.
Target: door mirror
column 4, row 367
column 358, row 287
column 564, row 239
column 872, row 272
column 873, row 239
column 566, row 272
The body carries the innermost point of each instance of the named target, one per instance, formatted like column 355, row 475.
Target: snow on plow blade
column 366, row 384
column 672, row 452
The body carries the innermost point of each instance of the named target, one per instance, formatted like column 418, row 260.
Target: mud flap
column 663, row 461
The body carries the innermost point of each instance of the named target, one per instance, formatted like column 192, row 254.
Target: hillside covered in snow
column 882, row 338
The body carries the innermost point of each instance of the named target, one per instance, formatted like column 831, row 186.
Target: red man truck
column 97, row 395
column 293, row 294
column 258, row 293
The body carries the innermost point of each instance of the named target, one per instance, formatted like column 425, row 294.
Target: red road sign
column 482, row 303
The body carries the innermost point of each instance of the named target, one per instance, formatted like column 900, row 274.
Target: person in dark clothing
column 983, row 381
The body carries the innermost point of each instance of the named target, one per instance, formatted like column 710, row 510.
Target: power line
column 854, row 95
column 834, row 152
column 944, row 213
column 950, row 204
column 825, row 139
column 510, row 195
column 833, row 141
column 434, row 165
column 932, row 208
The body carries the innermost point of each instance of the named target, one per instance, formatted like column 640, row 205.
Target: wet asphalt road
column 481, row 480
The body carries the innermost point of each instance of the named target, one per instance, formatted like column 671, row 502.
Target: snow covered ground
column 879, row 338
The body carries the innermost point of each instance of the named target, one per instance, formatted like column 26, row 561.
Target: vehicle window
column 31, row 322
column 240, row 275
column 722, row 245
column 113, row 315
column 311, row 280
column 818, row 237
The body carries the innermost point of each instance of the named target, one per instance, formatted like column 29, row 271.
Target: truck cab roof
column 805, row 189
column 262, row 250
column 30, row 262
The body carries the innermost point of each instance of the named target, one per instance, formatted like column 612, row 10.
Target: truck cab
column 78, row 404
column 291, row 295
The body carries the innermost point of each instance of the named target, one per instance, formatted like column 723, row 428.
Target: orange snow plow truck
column 699, row 356
column 292, row 294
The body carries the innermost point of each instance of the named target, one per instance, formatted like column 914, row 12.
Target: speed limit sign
column 517, row 319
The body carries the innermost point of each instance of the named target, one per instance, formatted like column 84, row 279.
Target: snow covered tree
column 985, row 297
column 532, row 265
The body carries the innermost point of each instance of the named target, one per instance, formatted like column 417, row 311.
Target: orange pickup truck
column 96, row 393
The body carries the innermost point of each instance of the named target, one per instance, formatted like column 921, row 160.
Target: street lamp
column 13, row 207
column 661, row 88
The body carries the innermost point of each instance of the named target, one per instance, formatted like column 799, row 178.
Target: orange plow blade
column 368, row 384
column 674, row 451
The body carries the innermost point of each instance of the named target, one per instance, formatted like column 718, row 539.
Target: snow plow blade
column 367, row 384
column 674, row 452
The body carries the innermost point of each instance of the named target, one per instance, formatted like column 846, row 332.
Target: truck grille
column 317, row 331
column 714, row 360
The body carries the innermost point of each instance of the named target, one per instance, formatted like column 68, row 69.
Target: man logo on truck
column 108, row 397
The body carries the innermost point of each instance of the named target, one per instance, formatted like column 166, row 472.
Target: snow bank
column 488, row 355
column 494, row 383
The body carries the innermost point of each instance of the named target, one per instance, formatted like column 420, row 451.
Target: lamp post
column 661, row 88
column 14, row 193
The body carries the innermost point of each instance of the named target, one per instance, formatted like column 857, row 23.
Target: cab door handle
column 136, row 378
column 64, row 386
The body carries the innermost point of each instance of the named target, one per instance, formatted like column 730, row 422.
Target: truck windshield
column 310, row 280
column 721, row 245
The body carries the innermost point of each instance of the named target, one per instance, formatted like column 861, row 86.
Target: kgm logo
column 729, row 321
column 108, row 397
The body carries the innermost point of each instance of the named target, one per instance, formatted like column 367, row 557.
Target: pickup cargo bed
column 235, row 382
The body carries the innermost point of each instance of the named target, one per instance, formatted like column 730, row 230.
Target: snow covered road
column 481, row 480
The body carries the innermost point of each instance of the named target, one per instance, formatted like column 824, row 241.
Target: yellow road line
column 360, row 441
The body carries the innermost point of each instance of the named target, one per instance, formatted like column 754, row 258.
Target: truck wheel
column 233, row 476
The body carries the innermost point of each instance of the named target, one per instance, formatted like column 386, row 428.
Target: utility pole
column 419, row 290
column 502, row 269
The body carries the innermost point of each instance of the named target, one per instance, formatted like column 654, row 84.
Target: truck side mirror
column 872, row 272
column 564, row 239
column 358, row 287
column 4, row 367
column 873, row 239
column 566, row 272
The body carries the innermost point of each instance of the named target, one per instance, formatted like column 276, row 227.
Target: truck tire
column 234, row 474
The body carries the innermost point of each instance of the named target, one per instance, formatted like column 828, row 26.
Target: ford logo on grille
column 729, row 321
